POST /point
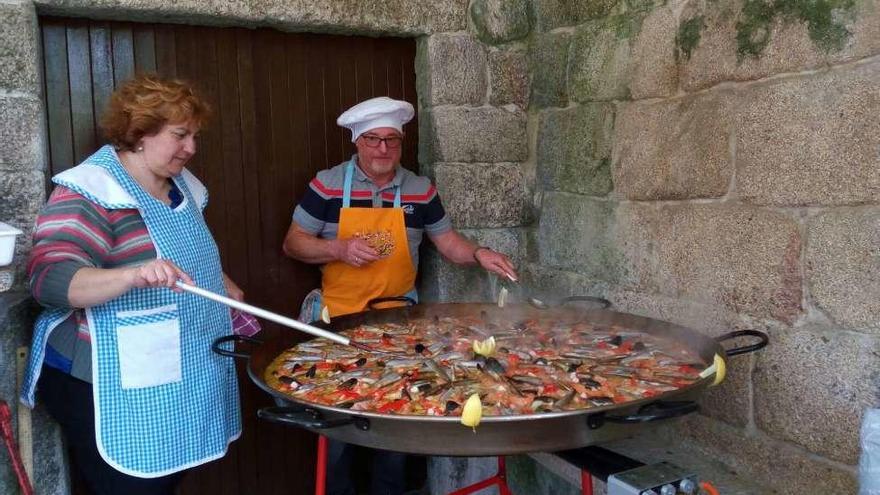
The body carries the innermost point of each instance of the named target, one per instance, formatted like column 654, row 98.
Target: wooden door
column 276, row 97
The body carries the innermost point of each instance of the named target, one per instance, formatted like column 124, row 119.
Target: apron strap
column 346, row 187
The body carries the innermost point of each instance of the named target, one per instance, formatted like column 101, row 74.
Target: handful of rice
column 382, row 241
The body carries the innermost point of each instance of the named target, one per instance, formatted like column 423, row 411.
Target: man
column 364, row 220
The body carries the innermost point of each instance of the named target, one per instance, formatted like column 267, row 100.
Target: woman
column 121, row 362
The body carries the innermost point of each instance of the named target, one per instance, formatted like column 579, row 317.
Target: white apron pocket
column 149, row 347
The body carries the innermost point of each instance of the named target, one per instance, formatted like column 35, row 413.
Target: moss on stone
column 688, row 37
column 626, row 26
column 822, row 17
column 644, row 6
column 595, row 9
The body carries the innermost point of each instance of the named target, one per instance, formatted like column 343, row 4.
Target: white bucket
column 7, row 243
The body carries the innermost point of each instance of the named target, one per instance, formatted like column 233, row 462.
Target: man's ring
column 357, row 260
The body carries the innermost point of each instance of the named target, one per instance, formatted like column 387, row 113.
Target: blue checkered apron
column 163, row 400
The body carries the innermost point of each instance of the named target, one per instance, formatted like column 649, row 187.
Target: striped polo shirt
column 318, row 212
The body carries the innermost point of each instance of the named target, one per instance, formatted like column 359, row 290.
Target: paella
column 432, row 366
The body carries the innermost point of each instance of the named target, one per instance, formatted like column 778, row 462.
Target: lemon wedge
column 718, row 368
column 502, row 297
column 472, row 412
column 485, row 348
column 325, row 315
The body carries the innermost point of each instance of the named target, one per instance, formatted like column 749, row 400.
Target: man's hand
column 355, row 252
column 495, row 262
column 458, row 249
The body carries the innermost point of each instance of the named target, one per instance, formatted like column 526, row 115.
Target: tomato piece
column 512, row 360
column 393, row 406
column 349, row 394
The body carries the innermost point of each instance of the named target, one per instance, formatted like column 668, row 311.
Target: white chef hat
column 375, row 113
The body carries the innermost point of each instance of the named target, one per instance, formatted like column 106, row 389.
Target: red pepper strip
column 324, row 365
column 393, row 406
column 626, row 346
column 512, row 361
column 601, row 345
column 348, row 394
column 550, row 388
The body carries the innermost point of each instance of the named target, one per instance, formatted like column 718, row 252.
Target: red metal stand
column 9, row 438
column 321, row 469
column 499, row 479
column 586, row 482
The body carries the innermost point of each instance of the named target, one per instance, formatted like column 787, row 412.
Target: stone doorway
column 276, row 97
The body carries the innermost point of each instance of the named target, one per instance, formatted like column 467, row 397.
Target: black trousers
column 69, row 401
column 387, row 473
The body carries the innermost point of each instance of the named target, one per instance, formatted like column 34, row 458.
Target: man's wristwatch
column 479, row 248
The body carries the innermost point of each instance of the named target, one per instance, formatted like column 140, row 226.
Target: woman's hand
column 495, row 262
column 158, row 273
column 355, row 252
column 232, row 289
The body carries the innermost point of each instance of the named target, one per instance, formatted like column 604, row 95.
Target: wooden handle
column 25, row 438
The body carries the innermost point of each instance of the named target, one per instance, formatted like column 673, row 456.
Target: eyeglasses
column 392, row 142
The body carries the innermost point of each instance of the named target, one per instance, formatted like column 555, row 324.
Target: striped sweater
column 72, row 233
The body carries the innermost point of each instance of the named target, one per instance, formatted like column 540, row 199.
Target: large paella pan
column 561, row 378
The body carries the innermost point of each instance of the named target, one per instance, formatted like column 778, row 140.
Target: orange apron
column 348, row 289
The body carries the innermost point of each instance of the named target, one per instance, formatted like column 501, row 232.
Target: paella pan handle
column 215, row 346
column 308, row 418
column 379, row 300
column 654, row 411
column 762, row 342
column 605, row 303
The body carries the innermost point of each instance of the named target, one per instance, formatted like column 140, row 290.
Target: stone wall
column 710, row 163
column 714, row 164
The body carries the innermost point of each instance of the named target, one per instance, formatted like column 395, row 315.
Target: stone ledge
column 787, row 469
column 650, row 448
column 394, row 17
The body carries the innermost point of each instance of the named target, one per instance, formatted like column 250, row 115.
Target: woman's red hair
column 142, row 105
